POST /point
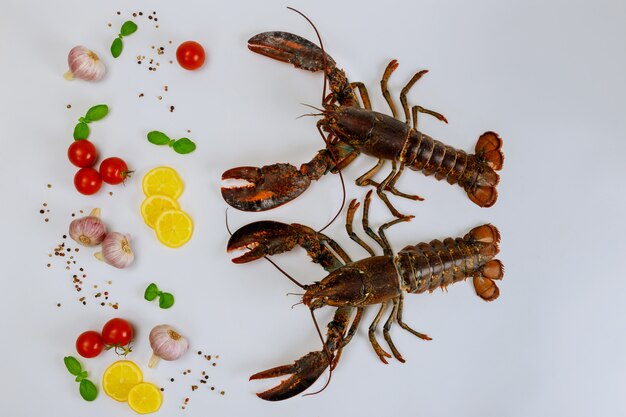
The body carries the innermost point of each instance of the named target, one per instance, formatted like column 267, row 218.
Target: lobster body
column 385, row 137
column 415, row 269
column 355, row 285
column 353, row 129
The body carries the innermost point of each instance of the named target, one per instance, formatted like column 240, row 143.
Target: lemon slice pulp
column 153, row 206
column 119, row 378
column 145, row 398
column 174, row 228
column 162, row 181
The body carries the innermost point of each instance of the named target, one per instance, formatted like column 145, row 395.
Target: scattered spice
column 78, row 281
column 69, row 106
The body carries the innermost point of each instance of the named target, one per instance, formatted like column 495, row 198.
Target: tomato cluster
column 117, row 333
column 87, row 180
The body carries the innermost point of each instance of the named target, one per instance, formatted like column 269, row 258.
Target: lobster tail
column 486, row 238
column 486, row 288
column 488, row 159
column 489, row 148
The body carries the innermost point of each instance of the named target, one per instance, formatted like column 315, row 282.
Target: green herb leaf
column 88, row 390
column 166, row 300
column 72, row 365
column 158, row 138
column 97, row 112
column 116, row 47
column 184, row 146
column 128, row 28
column 152, row 292
column 81, row 131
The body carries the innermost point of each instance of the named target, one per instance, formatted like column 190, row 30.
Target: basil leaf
column 72, row 365
column 166, row 300
column 158, row 138
column 128, row 28
column 151, row 292
column 116, row 47
column 97, row 112
column 81, row 131
column 87, row 390
column 184, row 146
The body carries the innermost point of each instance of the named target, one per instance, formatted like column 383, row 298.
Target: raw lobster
column 374, row 280
column 353, row 129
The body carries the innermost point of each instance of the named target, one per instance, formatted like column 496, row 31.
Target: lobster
column 353, row 285
column 352, row 130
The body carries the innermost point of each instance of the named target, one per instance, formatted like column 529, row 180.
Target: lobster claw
column 294, row 49
column 262, row 238
column 269, row 186
column 304, row 372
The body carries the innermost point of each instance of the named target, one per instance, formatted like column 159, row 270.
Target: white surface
column 547, row 75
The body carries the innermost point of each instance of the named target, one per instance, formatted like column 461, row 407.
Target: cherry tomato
column 190, row 55
column 87, row 181
column 117, row 332
column 114, row 170
column 82, row 153
column 89, row 344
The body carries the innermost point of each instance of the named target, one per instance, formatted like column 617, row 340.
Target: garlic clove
column 166, row 344
column 116, row 250
column 89, row 230
column 84, row 64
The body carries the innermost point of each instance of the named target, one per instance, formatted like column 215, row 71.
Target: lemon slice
column 153, row 206
column 174, row 228
column 145, row 398
column 162, row 181
column 119, row 378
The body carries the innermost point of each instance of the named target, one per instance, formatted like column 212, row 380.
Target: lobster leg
column 349, row 217
column 416, row 109
column 406, row 326
column 274, row 185
column 372, row 336
column 266, row 238
column 306, row 370
column 363, row 93
column 386, row 334
column 391, row 67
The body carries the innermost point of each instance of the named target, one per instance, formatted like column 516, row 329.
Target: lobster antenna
column 226, row 216
column 284, row 273
column 319, row 38
column 343, row 186
column 330, row 361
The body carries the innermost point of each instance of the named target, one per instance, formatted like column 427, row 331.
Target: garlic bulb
column 116, row 250
column 84, row 64
column 167, row 344
column 89, row 230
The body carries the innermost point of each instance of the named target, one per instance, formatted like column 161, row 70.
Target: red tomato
column 190, row 55
column 117, row 332
column 82, row 153
column 87, row 181
column 114, row 170
column 89, row 344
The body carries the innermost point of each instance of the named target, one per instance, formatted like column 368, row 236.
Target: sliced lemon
column 145, row 398
column 119, row 378
column 162, row 181
column 174, row 228
column 153, row 206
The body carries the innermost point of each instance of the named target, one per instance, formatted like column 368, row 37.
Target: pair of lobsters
column 350, row 127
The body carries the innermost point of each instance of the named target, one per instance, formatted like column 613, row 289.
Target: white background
column 549, row 76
